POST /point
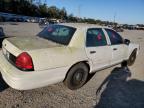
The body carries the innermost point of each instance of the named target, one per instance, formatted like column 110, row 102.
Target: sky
column 124, row 11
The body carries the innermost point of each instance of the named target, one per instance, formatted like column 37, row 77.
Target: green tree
column 53, row 12
column 71, row 18
column 43, row 9
column 63, row 13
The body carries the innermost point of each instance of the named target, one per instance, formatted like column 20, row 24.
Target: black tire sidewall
column 68, row 81
column 130, row 63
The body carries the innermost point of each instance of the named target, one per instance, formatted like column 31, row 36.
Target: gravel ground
column 115, row 87
column 20, row 29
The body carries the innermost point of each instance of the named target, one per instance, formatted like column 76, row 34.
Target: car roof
column 83, row 25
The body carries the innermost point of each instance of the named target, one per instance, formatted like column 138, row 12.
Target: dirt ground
column 115, row 87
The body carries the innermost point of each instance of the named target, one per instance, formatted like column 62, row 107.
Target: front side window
column 58, row 33
column 114, row 37
column 95, row 37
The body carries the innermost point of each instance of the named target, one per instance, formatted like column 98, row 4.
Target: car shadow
column 3, row 85
column 119, row 92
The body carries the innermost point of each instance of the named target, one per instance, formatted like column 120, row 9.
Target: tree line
column 26, row 7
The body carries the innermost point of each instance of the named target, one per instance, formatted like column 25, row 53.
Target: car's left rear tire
column 77, row 76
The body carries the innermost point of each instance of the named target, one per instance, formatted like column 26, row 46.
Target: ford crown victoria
column 63, row 52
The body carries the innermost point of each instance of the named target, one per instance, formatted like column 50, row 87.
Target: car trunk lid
column 31, row 43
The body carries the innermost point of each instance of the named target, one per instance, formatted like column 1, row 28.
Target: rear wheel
column 77, row 76
column 132, row 58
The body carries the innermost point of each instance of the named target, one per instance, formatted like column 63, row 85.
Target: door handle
column 92, row 52
column 115, row 49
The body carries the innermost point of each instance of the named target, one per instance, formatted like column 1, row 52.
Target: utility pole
column 45, row 2
column 115, row 19
column 39, row 2
column 79, row 11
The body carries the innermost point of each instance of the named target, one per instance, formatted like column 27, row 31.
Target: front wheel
column 77, row 76
column 132, row 58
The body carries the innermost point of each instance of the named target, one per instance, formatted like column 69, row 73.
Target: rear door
column 117, row 46
column 97, row 48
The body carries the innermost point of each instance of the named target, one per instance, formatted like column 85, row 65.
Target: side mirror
column 127, row 41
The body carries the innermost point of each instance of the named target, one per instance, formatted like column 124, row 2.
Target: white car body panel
column 118, row 53
column 101, row 58
column 57, row 57
column 52, row 61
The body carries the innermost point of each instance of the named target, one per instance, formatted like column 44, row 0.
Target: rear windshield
column 58, row 33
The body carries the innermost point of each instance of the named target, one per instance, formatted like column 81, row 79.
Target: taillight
column 24, row 61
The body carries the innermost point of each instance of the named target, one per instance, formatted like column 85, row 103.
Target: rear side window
column 95, row 37
column 114, row 37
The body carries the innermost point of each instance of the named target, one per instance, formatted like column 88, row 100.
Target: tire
column 132, row 58
column 77, row 76
column 124, row 63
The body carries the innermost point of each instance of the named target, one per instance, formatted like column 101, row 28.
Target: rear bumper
column 21, row 80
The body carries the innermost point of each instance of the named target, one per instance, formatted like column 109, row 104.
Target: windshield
column 58, row 33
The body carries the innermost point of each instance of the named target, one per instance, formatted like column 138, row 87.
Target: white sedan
column 63, row 52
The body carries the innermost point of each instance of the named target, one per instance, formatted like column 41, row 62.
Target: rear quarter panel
column 50, row 58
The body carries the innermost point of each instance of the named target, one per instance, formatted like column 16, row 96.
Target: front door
column 117, row 46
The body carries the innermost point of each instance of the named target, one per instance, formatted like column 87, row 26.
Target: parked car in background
column 2, row 19
column 43, row 21
column 63, row 52
column 2, row 36
column 118, row 29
